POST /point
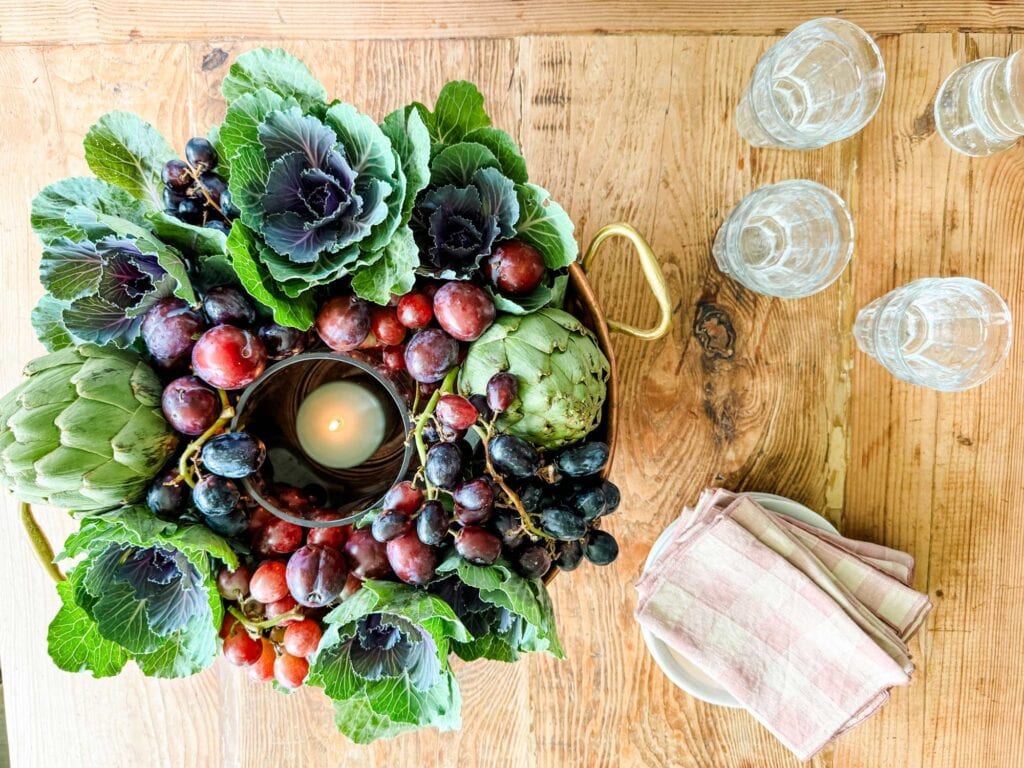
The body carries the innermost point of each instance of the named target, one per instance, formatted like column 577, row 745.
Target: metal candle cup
column 269, row 407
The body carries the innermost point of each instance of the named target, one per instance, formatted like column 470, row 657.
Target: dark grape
column 533, row 561
column 385, row 326
column 515, row 267
column 532, row 494
column 214, row 186
column 189, row 405
column 464, row 310
column 200, row 152
column 502, row 391
column 219, row 225
column 590, row 503
column 231, row 525
column 229, row 357
column 431, row 434
column 448, row 435
column 612, row 496
column 477, row 545
column 480, row 403
column 227, row 206
column 415, row 311
column 234, row 454
column 169, row 330
column 316, row 575
column 215, row 496
column 390, row 525
column 412, row 561
column 403, row 497
column 510, row 527
column 172, row 199
column 600, row 547
column 369, row 556
column 456, row 412
column 190, row 210
column 512, row 456
column 229, row 305
column 430, row 354
column 343, row 323
column 443, row 465
column 570, row 553
column 476, row 495
column 562, row 523
column 432, row 523
column 176, row 175
column 281, row 341
column 166, row 498
column 583, row 460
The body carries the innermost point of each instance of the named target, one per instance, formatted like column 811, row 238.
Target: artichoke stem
column 40, row 544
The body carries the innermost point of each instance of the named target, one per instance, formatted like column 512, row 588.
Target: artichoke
column 84, row 431
column 563, row 375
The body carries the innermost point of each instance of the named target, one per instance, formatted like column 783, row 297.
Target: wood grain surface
column 746, row 392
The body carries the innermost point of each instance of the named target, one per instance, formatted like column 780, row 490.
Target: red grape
column 502, row 391
column 515, row 268
column 403, row 497
column 302, row 638
column 280, row 607
column 227, row 625
column 343, row 323
column 430, row 354
column 412, row 561
column 290, row 671
column 393, row 358
column 456, row 412
column 316, row 575
column 228, row 357
column 333, row 537
column 233, row 585
column 477, row 545
column 241, row 649
column 415, row 311
column 352, row 585
column 169, row 330
column 262, row 670
column 295, row 501
column 385, row 326
column 268, row 583
column 464, row 310
column 189, row 405
column 279, row 537
column 368, row 555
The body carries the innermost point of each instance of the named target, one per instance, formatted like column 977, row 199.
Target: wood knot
column 214, row 59
column 713, row 329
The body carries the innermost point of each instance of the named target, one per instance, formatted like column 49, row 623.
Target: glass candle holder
column 820, row 83
column 790, row 239
column 948, row 334
column 979, row 109
column 270, row 409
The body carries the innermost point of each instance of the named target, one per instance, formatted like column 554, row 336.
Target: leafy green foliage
column 546, row 226
column 384, row 662
column 145, row 590
column 130, row 153
column 275, row 70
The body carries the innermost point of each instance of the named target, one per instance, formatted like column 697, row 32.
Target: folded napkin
column 806, row 629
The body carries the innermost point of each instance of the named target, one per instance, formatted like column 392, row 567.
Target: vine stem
column 421, row 423
column 528, row 525
column 226, row 414
column 256, row 626
column 40, row 544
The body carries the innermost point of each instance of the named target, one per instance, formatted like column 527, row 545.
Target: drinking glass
column 948, row 333
column 820, row 83
column 789, row 239
column 979, row 109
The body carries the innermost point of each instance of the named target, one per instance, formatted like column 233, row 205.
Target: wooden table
column 624, row 112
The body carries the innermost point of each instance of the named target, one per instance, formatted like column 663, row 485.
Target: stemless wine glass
column 790, row 239
column 979, row 109
column 820, row 83
column 948, row 333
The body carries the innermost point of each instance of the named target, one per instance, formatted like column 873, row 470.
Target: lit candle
column 340, row 425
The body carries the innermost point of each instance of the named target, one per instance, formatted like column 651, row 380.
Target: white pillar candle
column 340, row 425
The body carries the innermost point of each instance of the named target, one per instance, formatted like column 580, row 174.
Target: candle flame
column 334, row 425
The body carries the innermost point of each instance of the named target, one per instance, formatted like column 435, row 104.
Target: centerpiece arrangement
column 233, row 336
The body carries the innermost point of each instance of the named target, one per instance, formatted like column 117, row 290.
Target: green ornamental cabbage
column 84, row 431
column 563, row 375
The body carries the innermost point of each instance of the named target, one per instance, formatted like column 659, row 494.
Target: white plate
column 679, row 670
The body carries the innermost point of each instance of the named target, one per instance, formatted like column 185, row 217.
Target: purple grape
column 282, row 341
column 169, row 331
column 200, row 152
column 432, row 523
column 189, row 405
column 228, row 305
column 478, row 545
column 430, row 354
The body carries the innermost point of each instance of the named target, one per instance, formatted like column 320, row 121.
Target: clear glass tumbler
column 789, row 239
column 820, row 83
column 948, row 333
column 979, row 109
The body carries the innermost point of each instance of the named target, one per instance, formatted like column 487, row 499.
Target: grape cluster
column 194, row 192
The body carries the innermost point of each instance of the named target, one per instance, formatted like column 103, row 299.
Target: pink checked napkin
column 806, row 629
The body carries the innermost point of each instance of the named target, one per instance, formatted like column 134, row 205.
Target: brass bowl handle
column 652, row 271
column 40, row 544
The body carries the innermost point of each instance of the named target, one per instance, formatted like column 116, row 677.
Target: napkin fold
column 805, row 628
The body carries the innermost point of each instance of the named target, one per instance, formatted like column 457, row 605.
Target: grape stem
column 421, row 423
column 257, row 626
column 185, row 470
column 528, row 526
column 195, row 173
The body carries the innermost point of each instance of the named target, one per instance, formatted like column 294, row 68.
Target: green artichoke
column 84, row 431
column 563, row 375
